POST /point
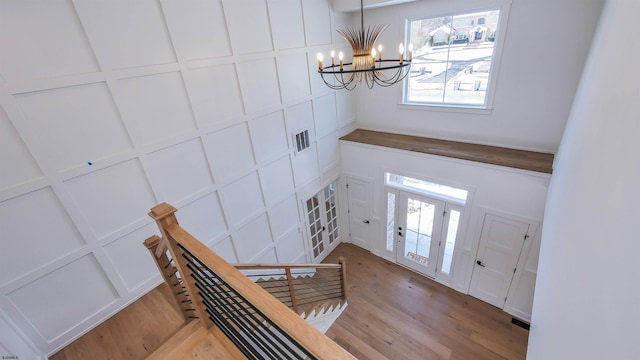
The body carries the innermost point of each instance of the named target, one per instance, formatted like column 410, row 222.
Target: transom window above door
column 427, row 188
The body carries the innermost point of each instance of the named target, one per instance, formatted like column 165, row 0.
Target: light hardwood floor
column 397, row 314
column 393, row 313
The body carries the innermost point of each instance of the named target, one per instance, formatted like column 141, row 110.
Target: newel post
column 164, row 215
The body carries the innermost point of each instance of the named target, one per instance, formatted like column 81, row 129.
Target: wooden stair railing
column 171, row 276
column 302, row 287
column 225, row 301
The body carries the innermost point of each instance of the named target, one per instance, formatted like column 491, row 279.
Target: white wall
column 544, row 51
column 587, row 294
column 110, row 107
column 513, row 192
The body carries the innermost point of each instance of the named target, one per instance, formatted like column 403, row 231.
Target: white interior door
column 419, row 232
column 359, row 199
column 322, row 214
column 500, row 245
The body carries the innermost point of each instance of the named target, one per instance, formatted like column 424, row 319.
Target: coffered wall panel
column 19, row 241
column 16, row 162
column 204, row 218
column 73, row 126
column 287, row 25
column 198, row 28
column 214, row 92
column 317, row 22
column 252, row 239
column 294, row 77
column 249, row 28
column 37, row 300
column 131, row 261
column 284, row 217
column 259, row 84
column 155, row 106
column 112, row 198
column 243, row 199
column 230, row 152
column 179, row 171
column 126, row 34
column 269, row 136
column 277, row 180
column 37, row 52
column 110, row 107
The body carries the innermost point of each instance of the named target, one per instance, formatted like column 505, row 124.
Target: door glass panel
column 331, row 213
column 452, row 232
column 420, row 217
column 391, row 220
column 323, row 220
column 315, row 226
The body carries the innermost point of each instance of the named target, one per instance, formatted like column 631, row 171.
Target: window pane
column 453, row 58
column 420, row 218
column 452, row 232
column 391, row 217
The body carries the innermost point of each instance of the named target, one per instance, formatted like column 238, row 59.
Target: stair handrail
column 184, row 248
column 334, row 283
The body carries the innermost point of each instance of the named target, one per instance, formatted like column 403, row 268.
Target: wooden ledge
column 519, row 159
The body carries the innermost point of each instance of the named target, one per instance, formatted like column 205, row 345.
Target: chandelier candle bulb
column 380, row 52
column 340, row 56
column 333, row 56
column 373, row 55
column 401, row 49
column 320, row 61
column 410, row 52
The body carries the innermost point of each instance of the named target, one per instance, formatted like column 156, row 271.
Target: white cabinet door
column 500, row 246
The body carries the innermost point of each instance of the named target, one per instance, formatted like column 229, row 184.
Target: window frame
column 487, row 107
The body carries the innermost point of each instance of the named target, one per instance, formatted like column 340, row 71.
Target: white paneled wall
column 110, row 107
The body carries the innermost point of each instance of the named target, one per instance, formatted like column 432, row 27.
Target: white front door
column 419, row 232
column 500, row 245
column 359, row 199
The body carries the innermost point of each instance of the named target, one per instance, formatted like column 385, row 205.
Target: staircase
column 316, row 292
column 245, row 311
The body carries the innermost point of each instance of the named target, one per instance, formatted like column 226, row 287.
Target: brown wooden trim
column 519, row 159
column 284, row 266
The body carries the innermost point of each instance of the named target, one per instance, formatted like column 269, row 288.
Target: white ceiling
column 354, row 5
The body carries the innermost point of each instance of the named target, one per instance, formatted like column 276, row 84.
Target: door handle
column 480, row 263
column 366, row 221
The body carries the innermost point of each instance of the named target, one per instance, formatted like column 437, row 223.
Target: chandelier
column 367, row 63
